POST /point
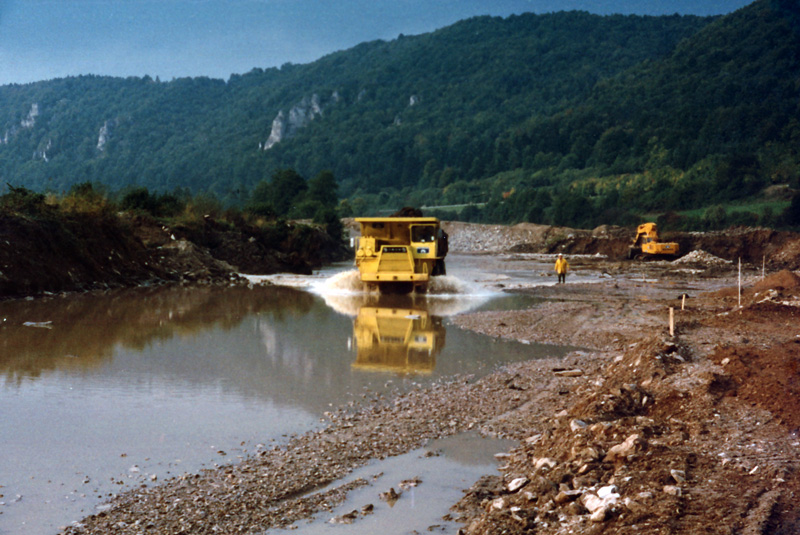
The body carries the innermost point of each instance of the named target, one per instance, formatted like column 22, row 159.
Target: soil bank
column 56, row 252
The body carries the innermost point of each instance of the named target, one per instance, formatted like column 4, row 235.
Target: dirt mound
column 68, row 254
column 766, row 378
column 789, row 254
column 638, row 453
column 479, row 238
column 782, row 283
column 782, row 280
column 78, row 252
column 644, row 453
column 752, row 245
column 190, row 263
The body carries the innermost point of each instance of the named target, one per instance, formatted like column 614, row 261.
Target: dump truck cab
column 400, row 254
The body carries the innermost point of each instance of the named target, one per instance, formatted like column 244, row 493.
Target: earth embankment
column 79, row 252
column 753, row 245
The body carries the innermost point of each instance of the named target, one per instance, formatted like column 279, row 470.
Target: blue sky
column 45, row 39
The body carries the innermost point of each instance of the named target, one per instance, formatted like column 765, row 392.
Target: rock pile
column 617, row 461
column 701, row 257
column 478, row 238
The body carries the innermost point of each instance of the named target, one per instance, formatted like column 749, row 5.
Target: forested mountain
column 715, row 121
column 564, row 117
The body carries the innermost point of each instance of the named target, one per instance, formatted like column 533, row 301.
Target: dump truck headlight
column 423, row 250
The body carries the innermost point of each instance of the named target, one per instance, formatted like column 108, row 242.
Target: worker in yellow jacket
column 562, row 266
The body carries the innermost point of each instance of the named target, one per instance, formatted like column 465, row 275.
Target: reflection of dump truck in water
column 397, row 340
column 646, row 244
column 400, row 254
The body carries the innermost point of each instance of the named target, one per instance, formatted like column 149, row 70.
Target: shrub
column 86, row 198
column 263, row 209
column 23, row 201
column 791, row 215
column 331, row 222
column 140, row 199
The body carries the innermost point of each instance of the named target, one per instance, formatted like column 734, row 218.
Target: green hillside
column 714, row 122
column 567, row 117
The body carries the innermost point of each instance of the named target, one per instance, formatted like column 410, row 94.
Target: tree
column 791, row 215
column 328, row 218
column 570, row 208
column 139, row 199
column 286, row 189
column 260, row 202
column 345, row 208
column 715, row 217
column 323, row 189
column 23, row 200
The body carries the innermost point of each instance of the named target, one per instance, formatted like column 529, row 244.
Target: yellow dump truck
column 647, row 245
column 400, row 254
column 397, row 340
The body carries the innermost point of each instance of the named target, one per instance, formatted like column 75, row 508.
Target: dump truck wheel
column 397, row 287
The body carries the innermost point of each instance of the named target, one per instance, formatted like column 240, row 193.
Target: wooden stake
column 740, row 282
column 764, row 267
column 683, row 301
column 671, row 321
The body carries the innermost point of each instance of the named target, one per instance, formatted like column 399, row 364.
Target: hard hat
column 559, row 254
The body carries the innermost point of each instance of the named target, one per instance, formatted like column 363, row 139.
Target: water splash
column 447, row 295
column 349, row 282
column 345, row 282
column 448, row 284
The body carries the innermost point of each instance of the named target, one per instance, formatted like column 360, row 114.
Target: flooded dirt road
column 103, row 393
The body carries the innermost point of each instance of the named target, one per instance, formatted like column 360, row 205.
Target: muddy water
column 99, row 394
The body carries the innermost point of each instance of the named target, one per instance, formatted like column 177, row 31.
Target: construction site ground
column 647, row 432
column 641, row 431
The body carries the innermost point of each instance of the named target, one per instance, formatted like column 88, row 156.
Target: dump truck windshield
column 423, row 233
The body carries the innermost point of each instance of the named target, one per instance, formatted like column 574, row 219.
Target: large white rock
column 517, row 484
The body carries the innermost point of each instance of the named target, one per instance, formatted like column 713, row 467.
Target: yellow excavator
column 646, row 244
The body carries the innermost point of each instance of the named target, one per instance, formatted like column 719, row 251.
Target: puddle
column 435, row 478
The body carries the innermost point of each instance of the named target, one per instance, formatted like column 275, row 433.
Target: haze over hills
column 566, row 117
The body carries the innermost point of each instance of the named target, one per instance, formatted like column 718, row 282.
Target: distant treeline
column 286, row 196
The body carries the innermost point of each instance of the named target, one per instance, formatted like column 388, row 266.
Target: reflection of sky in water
column 160, row 380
